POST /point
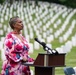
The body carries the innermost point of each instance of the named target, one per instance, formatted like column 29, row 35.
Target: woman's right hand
column 24, row 59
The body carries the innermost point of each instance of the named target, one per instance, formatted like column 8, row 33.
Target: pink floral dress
column 15, row 49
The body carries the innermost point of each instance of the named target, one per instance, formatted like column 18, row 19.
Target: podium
column 45, row 63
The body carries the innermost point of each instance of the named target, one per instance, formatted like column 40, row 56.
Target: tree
column 1, row 1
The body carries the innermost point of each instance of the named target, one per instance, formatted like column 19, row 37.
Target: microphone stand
column 50, row 51
column 46, row 48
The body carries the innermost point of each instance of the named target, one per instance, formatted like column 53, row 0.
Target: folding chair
column 69, row 71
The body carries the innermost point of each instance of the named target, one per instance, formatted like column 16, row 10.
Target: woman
column 16, row 50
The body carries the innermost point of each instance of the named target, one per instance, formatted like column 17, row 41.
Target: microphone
column 46, row 47
column 36, row 39
column 42, row 43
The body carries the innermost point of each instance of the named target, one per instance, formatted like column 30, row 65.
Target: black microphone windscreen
column 36, row 39
column 44, row 44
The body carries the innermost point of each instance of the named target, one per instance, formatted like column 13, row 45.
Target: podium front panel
column 56, row 60
column 39, row 60
column 51, row 60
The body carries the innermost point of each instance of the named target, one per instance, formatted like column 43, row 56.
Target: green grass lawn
column 70, row 60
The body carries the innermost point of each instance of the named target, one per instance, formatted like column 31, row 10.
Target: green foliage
column 69, row 3
column 62, row 0
column 1, row 1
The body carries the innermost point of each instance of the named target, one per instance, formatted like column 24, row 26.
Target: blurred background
column 51, row 21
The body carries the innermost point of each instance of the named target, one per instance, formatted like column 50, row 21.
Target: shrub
column 1, row 1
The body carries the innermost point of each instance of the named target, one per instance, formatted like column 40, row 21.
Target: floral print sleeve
column 10, row 50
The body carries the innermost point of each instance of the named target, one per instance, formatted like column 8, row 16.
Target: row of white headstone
column 67, row 46
column 62, row 49
column 47, row 24
column 37, row 24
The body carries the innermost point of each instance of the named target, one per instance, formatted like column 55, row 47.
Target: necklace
column 15, row 32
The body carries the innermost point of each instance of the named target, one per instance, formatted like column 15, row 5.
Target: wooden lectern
column 45, row 63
